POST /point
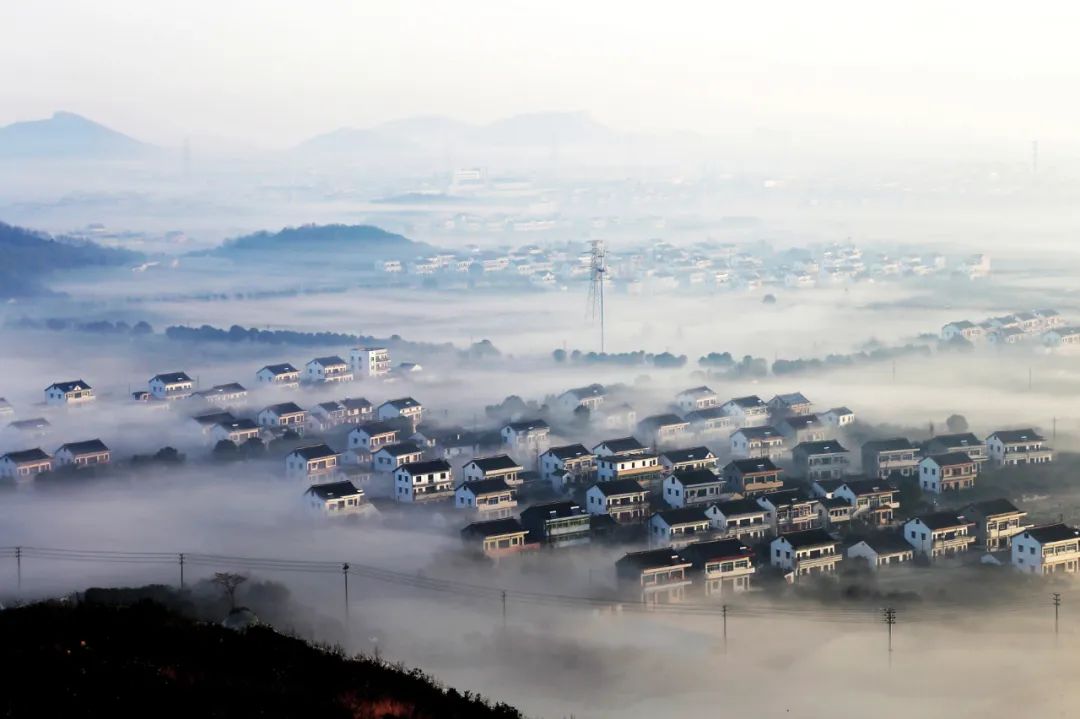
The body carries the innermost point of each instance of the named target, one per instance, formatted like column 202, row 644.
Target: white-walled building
column 424, row 482
column 491, row 498
column 282, row 375
column 236, row 431
column 370, row 362
column 696, row 399
column 405, row 408
column 624, row 500
column 316, row 463
column 327, row 370
column 287, row 415
column 68, row 394
column 805, row 554
column 749, row 411
column 90, row 453
column 1045, row 550
column 171, row 386
column 24, row 465
column 882, row 549
column 948, row 472
column 500, row 466
column 692, row 487
column 941, row 534
column 1012, row 447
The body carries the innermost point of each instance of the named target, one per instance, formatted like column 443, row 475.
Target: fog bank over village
column 453, row 361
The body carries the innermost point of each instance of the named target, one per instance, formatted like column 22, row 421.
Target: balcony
column 822, row 560
column 957, row 543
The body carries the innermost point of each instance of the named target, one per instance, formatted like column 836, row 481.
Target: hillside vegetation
column 143, row 660
column 344, row 240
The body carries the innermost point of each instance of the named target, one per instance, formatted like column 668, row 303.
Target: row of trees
column 639, row 358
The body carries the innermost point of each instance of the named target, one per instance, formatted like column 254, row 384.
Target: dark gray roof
column 948, row 459
column 697, row 391
column 329, row 360
column 1052, row 533
column 886, row 542
column 376, row 428
column 401, row 403
column 332, row 406
column 801, row 421
column 809, row 538
column 34, row 423
column 238, row 425
column 28, row 455
column 684, row 515
column 283, row 368
column 211, row 418
column 759, row 433
column 791, row 398
column 826, row 446
column 554, row 509
column 701, row 552
column 753, row 466
column 90, row 446
column 962, row 439
column 651, row 559
column 493, row 528
column 429, row 467
column 991, row 507
column 693, row 477
column 71, row 386
column 867, row 486
column 702, row 415
column 748, row 402
column 840, row 410
column 172, row 377
column 786, row 496
column 527, row 425
column 888, row 445
column 314, row 451
column 622, row 444
column 662, row 420
column 618, row 486
column 1018, row 435
column 570, row 451
column 333, row 490
column 359, row 403
column 400, row 449
column 228, row 388
column 486, row 486
column 497, row 463
column 734, row 507
column 942, row 520
column 692, row 454
column 592, row 390
column 284, row 408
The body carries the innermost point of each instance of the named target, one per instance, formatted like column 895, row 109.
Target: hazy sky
column 274, row 72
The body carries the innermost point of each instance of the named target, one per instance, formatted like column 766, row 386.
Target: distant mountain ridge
column 338, row 238
column 66, row 135
column 29, row 256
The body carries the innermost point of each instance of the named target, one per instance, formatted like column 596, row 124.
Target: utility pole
column 1053, row 434
column 1057, row 607
column 504, row 608
column 18, row 568
column 345, row 575
column 1029, row 379
column 723, row 613
column 890, row 620
column 181, row 570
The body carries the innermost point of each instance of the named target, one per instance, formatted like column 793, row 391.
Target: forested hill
column 366, row 240
column 143, row 660
column 29, row 256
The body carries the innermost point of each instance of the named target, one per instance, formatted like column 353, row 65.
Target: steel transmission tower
column 597, row 270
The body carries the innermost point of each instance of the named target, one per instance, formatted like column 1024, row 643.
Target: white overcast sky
column 274, row 72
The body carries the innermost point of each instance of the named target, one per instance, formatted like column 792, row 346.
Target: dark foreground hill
column 96, row 660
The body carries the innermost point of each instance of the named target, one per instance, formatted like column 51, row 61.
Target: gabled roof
column 34, row 423
column 651, row 559
column 860, row 487
column 662, row 420
column 1053, row 533
column 691, row 454
column 400, row 403
column 90, row 446
column 1009, row 436
column 527, row 425
column 736, row 507
column 758, row 433
column 284, row 408
column 373, row 429
column 283, row 368
column 72, row 386
column 494, row 528
column 701, row 552
column 621, row 444
column 704, row 415
column 694, row 477
column 808, row 538
column 228, row 388
column 790, row 399
column 400, row 449
column 334, row 490
column 942, row 520
column 753, row 466
column 356, row 403
column 429, row 467
column 498, row 463
column 961, row 439
column 211, row 418
column 886, row 543
column 697, row 391
column 888, row 445
column 801, row 421
column 555, row 510
column 315, row 451
column 331, row 406
column 950, row 459
column 618, row 486
column 28, row 455
column 992, row 507
column 684, row 515
column 962, row 324
column 786, row 496
column 839, row 411
column 485, row 486
column 592, row 390
column 825, row 446
column 171, row 377
column 328, row 361
column 238, row 425
column 569, row 451
column 748, row 402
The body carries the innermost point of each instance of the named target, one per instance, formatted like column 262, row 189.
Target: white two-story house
column 748, row 411
column 725, row 565
column 316, row 463
column 284, row 415
column 25, row 464
column 624, row 500
column 940, row 534
column 327, row 369
column 171, row 386
column 370, row 362
column 805, row 554
column 282, row 375
column 1049, row 549
column 405, row 408
column 68, row 394
column 1012, row 447
column 90, row 453
column 430, row 481
column 490, row 498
